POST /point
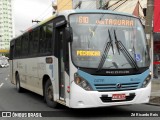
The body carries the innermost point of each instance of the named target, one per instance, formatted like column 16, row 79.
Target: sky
column 24, row 11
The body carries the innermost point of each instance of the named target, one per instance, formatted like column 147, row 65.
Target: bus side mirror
column 68, row 34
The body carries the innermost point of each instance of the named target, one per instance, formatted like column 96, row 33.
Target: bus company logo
column 117, row 72
column 119, row 85
column 6, row 114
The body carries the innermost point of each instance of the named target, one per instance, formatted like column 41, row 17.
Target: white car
column 4, row 62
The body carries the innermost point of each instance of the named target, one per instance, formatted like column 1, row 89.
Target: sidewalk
column 155, row 92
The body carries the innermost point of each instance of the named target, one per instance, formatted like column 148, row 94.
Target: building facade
column 134, row 7
column 84, row 4
column 6, row 27
column 64, row 5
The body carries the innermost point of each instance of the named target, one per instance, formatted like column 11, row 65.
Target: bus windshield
column 108, row 41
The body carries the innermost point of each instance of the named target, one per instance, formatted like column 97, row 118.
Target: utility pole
column 149, row 32
column 149, row 20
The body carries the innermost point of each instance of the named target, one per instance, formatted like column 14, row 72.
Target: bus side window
column 45, row 41
column 11, row 54
column 30, row 43
column 18, row 47
column 25, row 45
column 34, row 42
column 49, row 31
column 42, row 40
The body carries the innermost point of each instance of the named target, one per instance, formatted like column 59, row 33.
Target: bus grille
column 113, row 87
column 109, row 99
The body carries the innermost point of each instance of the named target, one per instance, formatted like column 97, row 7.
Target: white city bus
column 83, row 59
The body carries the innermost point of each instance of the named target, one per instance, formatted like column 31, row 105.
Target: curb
column 155, row 92
column 154, row 100
column 154, row 104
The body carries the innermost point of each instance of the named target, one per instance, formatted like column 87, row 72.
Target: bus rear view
column 111, row 58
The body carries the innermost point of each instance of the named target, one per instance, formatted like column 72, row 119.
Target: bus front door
column 61, row 65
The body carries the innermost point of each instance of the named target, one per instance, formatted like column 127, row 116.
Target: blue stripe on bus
column 109, row 83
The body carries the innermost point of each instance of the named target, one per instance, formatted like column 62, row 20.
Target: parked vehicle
column 4, row 61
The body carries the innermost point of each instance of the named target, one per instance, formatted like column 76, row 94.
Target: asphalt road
column 11, row 100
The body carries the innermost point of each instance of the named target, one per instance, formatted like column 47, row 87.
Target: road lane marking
column 1, row 85
column 6, row 79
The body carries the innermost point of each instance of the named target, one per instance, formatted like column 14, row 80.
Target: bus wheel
column 48, row 94
column 18, row 86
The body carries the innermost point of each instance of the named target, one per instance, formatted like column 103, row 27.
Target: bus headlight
column 146, row 81
column 82, row 82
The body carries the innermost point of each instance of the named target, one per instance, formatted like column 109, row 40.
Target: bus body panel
column 30, row 72
column 86, row 99
column 12, row 77
column 55, row 81
column 80, row 98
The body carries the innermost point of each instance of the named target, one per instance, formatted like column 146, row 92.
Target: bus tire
column 48, row 94
column 18, row 85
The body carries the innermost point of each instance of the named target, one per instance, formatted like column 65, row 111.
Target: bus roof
column 67, row 12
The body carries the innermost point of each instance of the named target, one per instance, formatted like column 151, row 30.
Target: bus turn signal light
column 82, row 82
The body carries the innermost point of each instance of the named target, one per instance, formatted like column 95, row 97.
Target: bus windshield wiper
column 105, row 52
column 121, row 47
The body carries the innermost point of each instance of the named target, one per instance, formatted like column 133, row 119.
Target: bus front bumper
column 80, row 98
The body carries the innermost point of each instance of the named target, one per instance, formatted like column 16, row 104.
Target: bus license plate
column 118, row 97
